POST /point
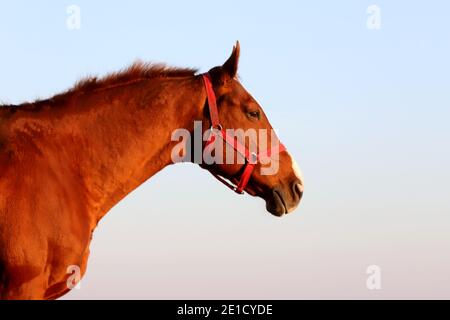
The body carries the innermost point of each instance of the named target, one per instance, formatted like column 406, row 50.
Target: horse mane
column 137, row 71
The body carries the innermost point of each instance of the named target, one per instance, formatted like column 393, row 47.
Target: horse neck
column 137, row 143
column 117, row 138
column 133, row 136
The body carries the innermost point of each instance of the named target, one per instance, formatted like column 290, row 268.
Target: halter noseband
column 251, row 159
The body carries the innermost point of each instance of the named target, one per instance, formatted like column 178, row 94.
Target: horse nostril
column 298, row 190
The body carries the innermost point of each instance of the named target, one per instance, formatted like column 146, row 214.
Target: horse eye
column 254, row 114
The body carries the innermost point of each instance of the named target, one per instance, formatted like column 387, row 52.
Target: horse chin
column 276, row 206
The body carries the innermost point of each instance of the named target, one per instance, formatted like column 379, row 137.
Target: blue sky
column 365, row 112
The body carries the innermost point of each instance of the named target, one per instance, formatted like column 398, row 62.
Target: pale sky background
column 365, row 113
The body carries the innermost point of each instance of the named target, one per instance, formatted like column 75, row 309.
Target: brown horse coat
column 65, row 161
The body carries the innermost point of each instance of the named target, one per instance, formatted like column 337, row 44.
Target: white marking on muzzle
column 296, row 169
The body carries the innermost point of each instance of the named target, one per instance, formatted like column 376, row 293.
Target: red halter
column 251, row 159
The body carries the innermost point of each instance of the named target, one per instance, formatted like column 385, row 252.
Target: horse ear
column 231, row 65
column 222, row 74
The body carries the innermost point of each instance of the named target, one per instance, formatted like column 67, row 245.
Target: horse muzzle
column 284, row 200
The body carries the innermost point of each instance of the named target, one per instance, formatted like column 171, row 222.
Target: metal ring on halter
column 253, row 158
column 217, row 127
column 235, row 189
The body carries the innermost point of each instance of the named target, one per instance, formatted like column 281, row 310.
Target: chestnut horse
column 66, row 161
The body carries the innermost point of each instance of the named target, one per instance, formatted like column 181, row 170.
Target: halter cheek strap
column 251, row 159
